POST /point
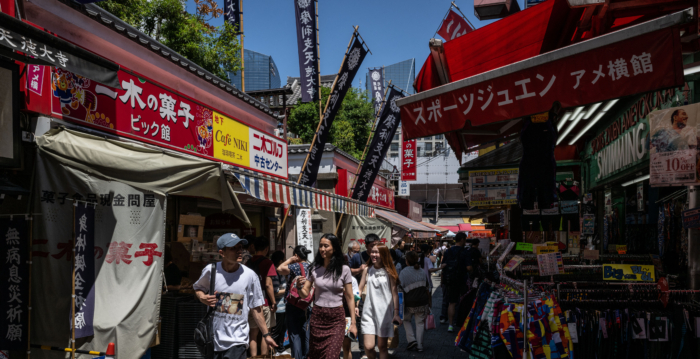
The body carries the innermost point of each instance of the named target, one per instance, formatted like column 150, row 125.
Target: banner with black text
column 84, row 229
column 15, row 283
column 305, row 11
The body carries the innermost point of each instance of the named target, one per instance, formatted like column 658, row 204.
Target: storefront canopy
column 45, row 49
column 416, row 228
column 141, row 167
column 462, row 227
column 488, row 105
column 276, row 190
column 441, row 230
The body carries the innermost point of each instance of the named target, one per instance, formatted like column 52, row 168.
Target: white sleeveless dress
column 378, row 310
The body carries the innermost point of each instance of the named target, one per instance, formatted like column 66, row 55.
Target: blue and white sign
column 404, row 188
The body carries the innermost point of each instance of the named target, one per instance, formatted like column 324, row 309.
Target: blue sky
column 394, row 30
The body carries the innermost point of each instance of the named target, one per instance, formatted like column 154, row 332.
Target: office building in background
column 260, row 73
column 402, row 74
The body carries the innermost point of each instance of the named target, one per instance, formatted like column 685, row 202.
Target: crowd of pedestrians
column 325, row 305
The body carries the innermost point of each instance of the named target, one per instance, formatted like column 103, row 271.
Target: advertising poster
column 588, row 224
column 493, row 187
column 629, row 272
column 640, row 197
column 673, row 146
column 608, row 202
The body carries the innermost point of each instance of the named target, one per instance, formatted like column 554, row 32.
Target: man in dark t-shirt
column 360, row 261
column 265, row 269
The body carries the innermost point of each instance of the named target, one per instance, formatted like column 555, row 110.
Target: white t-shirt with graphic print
column 237, row 293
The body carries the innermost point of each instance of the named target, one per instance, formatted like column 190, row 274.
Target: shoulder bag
column 294, row 295
column 204, row 332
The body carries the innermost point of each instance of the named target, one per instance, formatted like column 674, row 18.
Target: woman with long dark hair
column 381, row 305
column 297, row 319
column 332, row 280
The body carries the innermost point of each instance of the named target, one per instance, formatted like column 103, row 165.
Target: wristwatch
column 266, row 335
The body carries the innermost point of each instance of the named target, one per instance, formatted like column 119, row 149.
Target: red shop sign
column 145, row 111
column 408, row 160
column 637, row 65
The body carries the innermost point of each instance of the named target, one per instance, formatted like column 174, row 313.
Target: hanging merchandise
column 537, row 175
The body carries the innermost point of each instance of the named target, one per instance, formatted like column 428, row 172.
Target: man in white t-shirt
column 237, row 293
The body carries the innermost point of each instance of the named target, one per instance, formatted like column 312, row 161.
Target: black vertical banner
column 376, row 78
column 14, row 281
column 232, row 13
column 84, row 227
column 305, row 11
column 383, row 134
column 343, row 82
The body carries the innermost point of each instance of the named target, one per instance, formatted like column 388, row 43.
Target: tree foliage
column 351, row 127
column 215, row 48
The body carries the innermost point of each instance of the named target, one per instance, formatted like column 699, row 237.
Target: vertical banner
column 343, row 82
column 383, row 135
column 408, row 160
column 15, row 284
column 304, row 234
column 305, row 11
column 84, row 228
column 232, row 13
column 404, row 188
column 376, row 77
column 673, row 146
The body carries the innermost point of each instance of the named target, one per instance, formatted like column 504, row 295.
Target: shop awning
column 638, row 59
column 441, row 230
column 276, row 190
column 165, row 173
column 462, row 227
column 46, row 49
column 416, row 228
column 482, row 234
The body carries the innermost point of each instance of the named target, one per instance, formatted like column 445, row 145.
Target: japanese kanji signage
column 232, row 13
column 145, row 111
column 304, row 234
column 631, row 66
column 239, row 144
column 408, row 160
column 305, row 12
column 493, row 187
column 356, row 228
column 343, row 82
column 454, row 26
column 84, row 229
column 14, row 34
column 404, row 188
column 673, row 146
column 376, row 77
column 15, row 284
column 383, row 135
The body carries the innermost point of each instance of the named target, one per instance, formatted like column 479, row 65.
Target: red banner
column 641, row 64
column 145, row 111
column 378, row 195
column 454, row 26
column 408, row 160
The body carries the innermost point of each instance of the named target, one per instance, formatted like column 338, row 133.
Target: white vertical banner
column 404, row 188
column 304, row 235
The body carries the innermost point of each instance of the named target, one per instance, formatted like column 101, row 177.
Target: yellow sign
column 540, row 117
column 547, row 249
column 629, row 272
column 231, row 140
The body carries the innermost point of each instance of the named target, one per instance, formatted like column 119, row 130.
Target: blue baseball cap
column 229, row 240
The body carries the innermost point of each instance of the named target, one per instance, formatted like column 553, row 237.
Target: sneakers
column 412, row 346
column 450, row 329
column 443, row 321
column 420, row 350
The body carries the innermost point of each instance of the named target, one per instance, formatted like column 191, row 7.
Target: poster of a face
column 673, row 145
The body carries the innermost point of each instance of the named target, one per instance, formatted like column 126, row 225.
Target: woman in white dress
column 381, row 304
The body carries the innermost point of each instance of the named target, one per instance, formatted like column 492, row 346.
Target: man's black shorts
column 234, row 352
column 455, row 291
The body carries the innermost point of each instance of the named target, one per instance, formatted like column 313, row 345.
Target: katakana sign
column 84, row 229
column 636, row 65
column 145, row 111
column 15, row 284
column 384, row 132
column 343, row 82
column 305, row 12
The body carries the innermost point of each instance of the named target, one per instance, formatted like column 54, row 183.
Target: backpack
column 204, row 331
column 417, row 297
column 451, row 270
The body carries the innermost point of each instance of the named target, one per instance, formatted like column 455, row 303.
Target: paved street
column 437, row 343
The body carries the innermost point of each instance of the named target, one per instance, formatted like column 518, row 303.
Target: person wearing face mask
column 332, row 281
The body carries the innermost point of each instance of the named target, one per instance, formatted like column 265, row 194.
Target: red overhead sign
column 636, row 65
column 409, row 154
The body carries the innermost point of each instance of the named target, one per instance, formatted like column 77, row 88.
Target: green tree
column 351, row 127
column 215, row 48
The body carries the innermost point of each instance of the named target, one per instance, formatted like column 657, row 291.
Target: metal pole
column 693, row 243
column 240, row 6
column 437, row 205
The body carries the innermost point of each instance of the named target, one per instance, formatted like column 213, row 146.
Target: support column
column 693, row 244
